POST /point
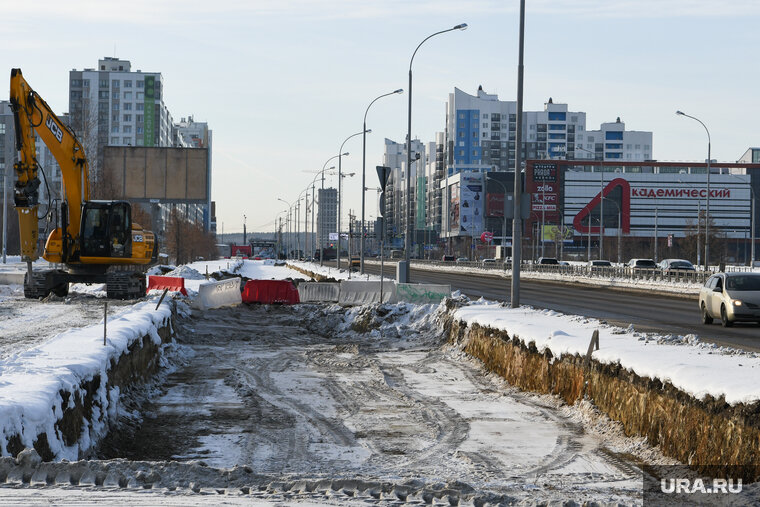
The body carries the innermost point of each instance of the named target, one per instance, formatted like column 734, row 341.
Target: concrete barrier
column 270, row 292
column 218, row 294
column 422, row 293
column 11, row 278
column 318, row 292
column 364, row 292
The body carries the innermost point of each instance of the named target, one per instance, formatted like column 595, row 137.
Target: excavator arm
column 32, row 115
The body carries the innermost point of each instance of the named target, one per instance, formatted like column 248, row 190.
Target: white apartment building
column 613, row 143
column 112, row 105
column 395, row 157
column 327, row 216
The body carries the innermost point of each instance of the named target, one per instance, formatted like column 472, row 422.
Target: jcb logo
column 54, row 128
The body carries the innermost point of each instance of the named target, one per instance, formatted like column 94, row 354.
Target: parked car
column 547, row 261
column 448, row 258
column 490, row 262
column 676, row 265
column 640, row 264
column 599, row 265
column 462, row 259
column 730, row 297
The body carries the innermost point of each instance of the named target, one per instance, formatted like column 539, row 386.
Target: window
column 461, row 153
column 127, row 129
column 646, row 146
column 475, row 116
column 532, row 127
column 86, row 83
column 474, row 153
column 485, row 116
column 114, row 140
column 127, row 84
column 103, row 83
column 461, row 116
column 475, row 135
column 2, row 128
column 139, row 118
column 140, row 95
column 556, row 116
column 638, row 146
column 127, row 106
column 127, row 95
column 485, row 125
column 461, row 143
column 127, row 140
column 573, row 119
column 461, row 133
column 556, row 127
column 474, row 143
column 461, row 125
column 141, row 84
column 127, row 117
column 140, row 106
column 115, row 83
column 76, row 82
column 103, row 94
column 115, row 117
column 628, row 146
column 115, row 106
column 613, row 136
column 485, row 134
column 139, row 130
column 114, row 129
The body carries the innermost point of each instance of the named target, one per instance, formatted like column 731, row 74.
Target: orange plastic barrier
column 270, row 291
column 173, row 283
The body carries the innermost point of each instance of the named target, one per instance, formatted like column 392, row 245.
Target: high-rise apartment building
column 395, row 157
column 112, row 105
column 327, row 216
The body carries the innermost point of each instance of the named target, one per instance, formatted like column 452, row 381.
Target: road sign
column 486, row 237
column 382, row 173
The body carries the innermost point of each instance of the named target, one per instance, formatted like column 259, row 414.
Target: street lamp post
column 364, row 174
column 601, row 202
column 707, row 200
column 340, row 193
column 408, row 197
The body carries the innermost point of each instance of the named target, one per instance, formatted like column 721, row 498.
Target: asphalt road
column 647, row 311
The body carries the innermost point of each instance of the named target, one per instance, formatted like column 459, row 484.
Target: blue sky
column 283, row 83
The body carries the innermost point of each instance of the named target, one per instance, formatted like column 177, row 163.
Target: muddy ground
column 294, row 392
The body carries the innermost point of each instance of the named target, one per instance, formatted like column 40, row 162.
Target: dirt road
column 294, row 392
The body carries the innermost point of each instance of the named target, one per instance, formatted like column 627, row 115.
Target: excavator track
column 45, row 282
column 125, row 285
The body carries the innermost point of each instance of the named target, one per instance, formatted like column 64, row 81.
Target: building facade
column 327, row 216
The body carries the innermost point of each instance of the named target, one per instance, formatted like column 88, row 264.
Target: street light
column 364, row 175
column 408, row 240
column 340, row 194
column 707, row 200
column 288, row 243
column 601, row 202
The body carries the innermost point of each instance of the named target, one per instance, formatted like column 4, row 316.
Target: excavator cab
column 106, row 230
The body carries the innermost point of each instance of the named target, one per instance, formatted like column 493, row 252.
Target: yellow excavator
column 93, row 241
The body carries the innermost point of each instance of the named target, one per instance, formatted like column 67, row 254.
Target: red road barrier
column 173, row 283
column 270, row 291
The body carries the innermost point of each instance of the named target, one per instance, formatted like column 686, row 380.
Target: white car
column 731, row 297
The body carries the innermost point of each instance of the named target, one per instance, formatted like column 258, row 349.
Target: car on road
column 599, row 265
column 490, row 262
column 448, row 258
column 547, row 261
column 730, row 297
column 676, row 265
column 635, row 265
column 462, row 259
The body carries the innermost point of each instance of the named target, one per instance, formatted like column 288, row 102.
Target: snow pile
column 186, row 272
column 696, row 368
column 31, row 381
column 330, row 271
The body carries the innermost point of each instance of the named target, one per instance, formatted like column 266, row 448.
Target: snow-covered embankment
column 698, row 402
column 60, row 396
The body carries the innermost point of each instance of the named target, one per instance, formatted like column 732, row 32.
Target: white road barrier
column 364, row 292
column 318, row 292
column 218, row 294
column 422, row 293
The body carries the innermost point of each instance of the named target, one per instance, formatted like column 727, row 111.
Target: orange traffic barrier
column 270, row 291
column 173, row 283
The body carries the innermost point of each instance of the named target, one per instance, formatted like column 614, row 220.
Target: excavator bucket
column 27, row 221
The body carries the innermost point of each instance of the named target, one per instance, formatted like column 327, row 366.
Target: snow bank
column 696, row 368
column 34, row 383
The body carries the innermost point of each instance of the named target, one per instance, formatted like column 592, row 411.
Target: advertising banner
column 149, row 120
column 494, row 205
column 471, row 207
column 454, row 207
column 542, row 183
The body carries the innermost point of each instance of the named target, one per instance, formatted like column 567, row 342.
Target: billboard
column 140, row 174
column 471, row 204
column 454, row 207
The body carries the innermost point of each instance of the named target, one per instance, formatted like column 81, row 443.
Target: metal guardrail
column 601, row 272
